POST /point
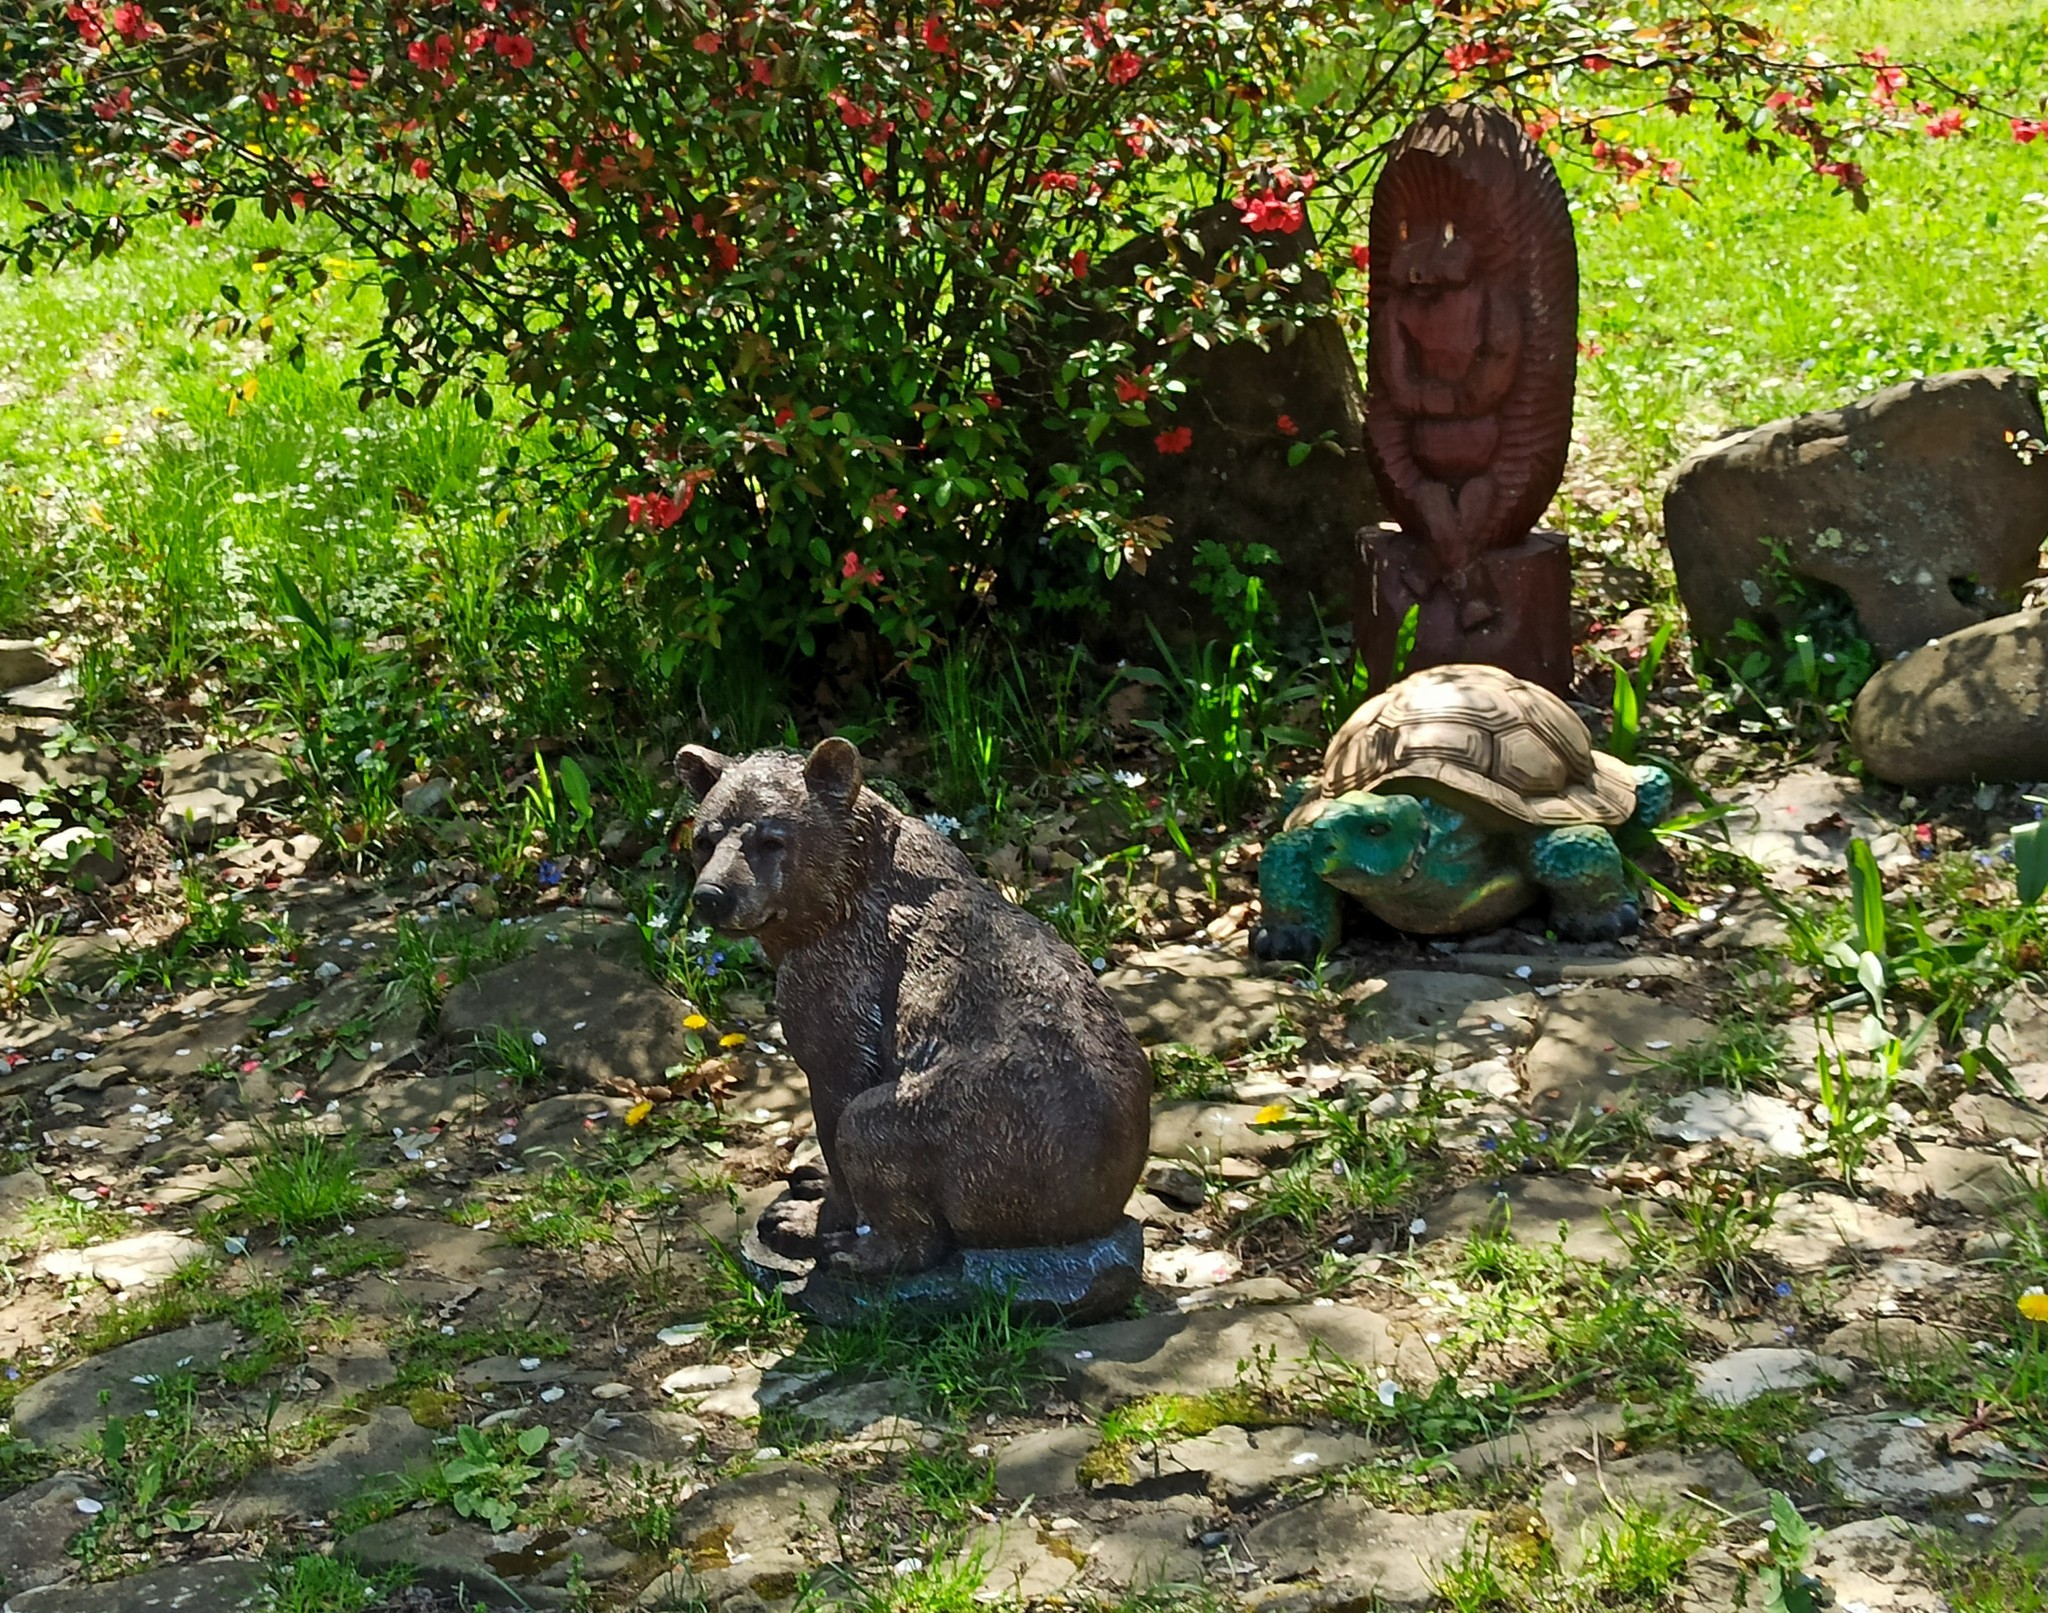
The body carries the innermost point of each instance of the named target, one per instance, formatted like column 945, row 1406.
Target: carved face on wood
column 1473, row 341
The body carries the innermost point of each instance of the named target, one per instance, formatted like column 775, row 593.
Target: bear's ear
column 699, row 768
column 832, row 772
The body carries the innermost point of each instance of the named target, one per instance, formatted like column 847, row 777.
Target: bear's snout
column 714, row 904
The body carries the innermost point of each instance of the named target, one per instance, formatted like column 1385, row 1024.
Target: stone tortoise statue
column 1450, row 804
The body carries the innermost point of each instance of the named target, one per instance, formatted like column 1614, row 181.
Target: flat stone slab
column 1076, row 1282
column 1577, row 1500
column 63, row 1408
column 1889, row 1340
column 1875, row 1564
column 1541, row 1441
column 748, row 1536
column 1042, row 1464
column 1598, row 1044
column 1453, row 1016
column 36, row 1525
column 23, row 662
column 1196, row 1351
column 257, row 776
column 1805, row 819
column 376, row 1452
column 1358, row 1555
column 1811, row 1232
column 25, row 765
column 1201, row 998
column 1975, row 1179
column 1996, row 1118
column 1203, row 1133
column 1240, row 1467
column 1739, row 1377
column 143, row 1261
column 1147, row 1549
column 1530, row 1209
column 202, row 1587
column 601, row 1023
column 1754, row 1120
column 1878, row 1461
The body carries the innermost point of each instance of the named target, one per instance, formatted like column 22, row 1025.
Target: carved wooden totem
column 1472, row 357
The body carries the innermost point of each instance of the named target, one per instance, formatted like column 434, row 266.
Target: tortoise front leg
column 1298, row 909
column 1581, row 869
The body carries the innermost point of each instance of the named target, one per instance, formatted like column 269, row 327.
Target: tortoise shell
column 1477, row 733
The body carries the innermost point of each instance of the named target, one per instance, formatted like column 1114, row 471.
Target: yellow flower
column 2034, row 1306
column 639, row 1112
column 1269, row 1114
column 695, row 1022
column 732, row 1039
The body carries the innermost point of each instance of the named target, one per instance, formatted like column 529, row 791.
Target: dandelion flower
column 1270, row 1114
column 695, row 1022
column 639, row 1112
column 2034, row 1306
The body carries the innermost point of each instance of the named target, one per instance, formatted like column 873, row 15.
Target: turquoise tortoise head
column 1369, row 839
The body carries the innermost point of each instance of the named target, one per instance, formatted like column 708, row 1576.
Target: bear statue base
column 1073, row 1283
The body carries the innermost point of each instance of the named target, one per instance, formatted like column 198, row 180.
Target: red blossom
column 1361, row 258
column 92, row 29
column 1124, row 66
column 857, row 571
column 2027, row 130
column 933, row 33
column 660, row 510
column 1461, row 59
column 1595, row 64
column 1078, row 265
column 850, row 114
column 423, row 168
column 1054, row 179
column 134, row 24
column 1947, row 124
column 783, row 416
column 1286, row 427
column 886, row 508
column 1176, row 441
column 1269, row 213
column 517, row 49
column 1132, row 388
column 432, row 56
column 725, row 256
column 707, row 42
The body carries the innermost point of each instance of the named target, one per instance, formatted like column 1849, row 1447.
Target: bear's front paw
column 1286, row 943
column 789, row 1226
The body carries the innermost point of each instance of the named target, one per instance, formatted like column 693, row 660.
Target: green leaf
column 1866, row 897
column 532, row 1439
column 1297, row 452
column 2030, row 860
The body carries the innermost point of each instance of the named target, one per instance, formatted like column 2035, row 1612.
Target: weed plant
column 298, row 1182
column 312, row 1583
column 985, row 1359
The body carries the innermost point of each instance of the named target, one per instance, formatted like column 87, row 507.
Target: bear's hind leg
column 887, row 1163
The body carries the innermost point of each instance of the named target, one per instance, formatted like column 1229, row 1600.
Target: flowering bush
column 808, row 287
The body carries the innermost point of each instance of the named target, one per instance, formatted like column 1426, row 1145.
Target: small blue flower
column 1784, row 1290
column 1489, row 1143
column 549, row 873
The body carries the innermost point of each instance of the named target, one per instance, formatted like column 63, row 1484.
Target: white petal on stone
column 1912, row 1422
column 507, row 1138
column 1524, row 972
column 1084, row 1355
column 91, row 1508
column 550, row 1396
column 540, row 1039
column 681, row 1333
column 1817, row 1455
column 1417, row 1227
column 1387, row 1392
column 1657, row 1046
column 611, row 1391
column 529, row 1363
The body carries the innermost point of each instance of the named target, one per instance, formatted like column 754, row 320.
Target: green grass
column 311, row 1583
column 985, row 1359
column 1763, row 293
column 297, row 1183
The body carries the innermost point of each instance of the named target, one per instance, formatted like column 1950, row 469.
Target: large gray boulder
column 1969, row 708
column 1919, row 503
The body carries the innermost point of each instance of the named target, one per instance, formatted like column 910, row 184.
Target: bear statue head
column 777, row 840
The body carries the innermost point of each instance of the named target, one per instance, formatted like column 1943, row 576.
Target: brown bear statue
column 973, row 1086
